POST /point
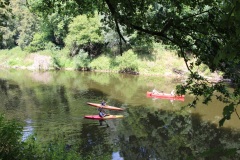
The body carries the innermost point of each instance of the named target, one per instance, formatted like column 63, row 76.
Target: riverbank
column 160, row 63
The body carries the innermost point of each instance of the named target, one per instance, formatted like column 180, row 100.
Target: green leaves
column 127, row 62
column 10, row 139
column 83, row 30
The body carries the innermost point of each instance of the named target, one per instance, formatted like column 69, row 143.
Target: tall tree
column 6, row 25
column 53, row 23
column 25, row 23
column 84, row 32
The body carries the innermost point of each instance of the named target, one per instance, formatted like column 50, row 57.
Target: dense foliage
column 11, row 146
column 83, row 32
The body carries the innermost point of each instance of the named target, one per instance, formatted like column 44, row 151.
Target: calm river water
column 52, row 106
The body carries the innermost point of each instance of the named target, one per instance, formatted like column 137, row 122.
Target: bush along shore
column 160, row 62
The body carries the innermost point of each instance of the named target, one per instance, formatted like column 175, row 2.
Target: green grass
column 160, row 61
column 101, row 63
column 13, row 57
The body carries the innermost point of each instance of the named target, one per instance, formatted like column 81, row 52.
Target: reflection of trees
column 44, row 77
column 63, row 98
column 144, row 134
column 11, row 94
column 167, row 135
column 89, row 94
column 94, row 142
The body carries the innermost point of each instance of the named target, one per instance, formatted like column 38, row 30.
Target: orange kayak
column 166, row 96
column 105, row 107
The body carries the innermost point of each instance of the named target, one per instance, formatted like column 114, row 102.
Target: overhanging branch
column 119, row 18
column 119, row 32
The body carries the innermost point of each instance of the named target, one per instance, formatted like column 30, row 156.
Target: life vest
column 101, row 114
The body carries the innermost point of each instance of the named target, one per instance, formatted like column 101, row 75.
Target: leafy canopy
column 84, row 30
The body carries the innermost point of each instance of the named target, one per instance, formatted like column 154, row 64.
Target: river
column 52, row 105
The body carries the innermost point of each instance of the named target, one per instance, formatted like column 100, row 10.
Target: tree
column 17, row 26
column 25, row 23
column 83, row 31
column 205, row 30
column 6, row 25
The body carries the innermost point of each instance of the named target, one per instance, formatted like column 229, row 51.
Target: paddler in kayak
column 102, row 112
column 154, row 91
column 103, row 103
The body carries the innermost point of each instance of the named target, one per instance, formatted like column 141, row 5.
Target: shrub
column 128, row 62
column 38, row 43
column 13, row 62
column 81, row 61
column 11, row 146
column 101, row 63
column 57, row 60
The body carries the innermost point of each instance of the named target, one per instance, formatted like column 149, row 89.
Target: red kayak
column 97, row 117
column 166, row 96
column 105, row 107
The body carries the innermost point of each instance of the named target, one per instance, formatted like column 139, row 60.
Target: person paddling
column 154, row 91
column 102, row 112
column 103, row 103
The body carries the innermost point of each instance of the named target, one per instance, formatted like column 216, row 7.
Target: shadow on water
column 94, row 141
column 170, row 135
column 150, row 129
column 10, row 94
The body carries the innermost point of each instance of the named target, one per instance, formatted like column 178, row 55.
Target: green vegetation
column 192, row 38
column 204, row 34
column 161, row 62
column 13, row 147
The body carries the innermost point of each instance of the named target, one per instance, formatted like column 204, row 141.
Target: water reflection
column 168, row 135
column 27, row 130
column 116, row 156
column 44, row 77
column 152, row 129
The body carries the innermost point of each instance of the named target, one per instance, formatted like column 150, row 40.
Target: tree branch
column 237, row 113
column 119, row 32
column 112, row 10
column 123, row 20
column 185, row 59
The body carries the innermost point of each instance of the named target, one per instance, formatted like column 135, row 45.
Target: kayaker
column 101, row 110
column 103, row 103
column 102, row 113
column 154, row 91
